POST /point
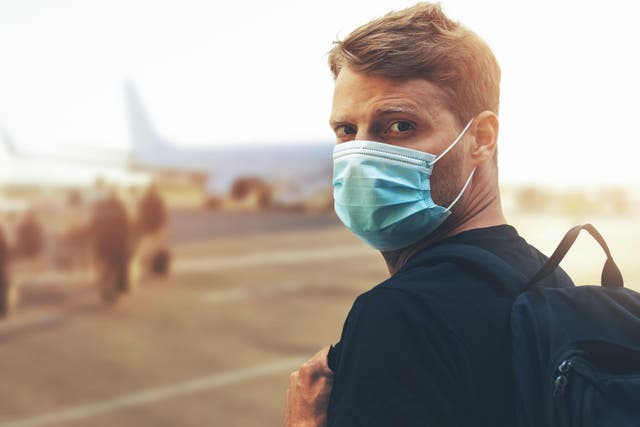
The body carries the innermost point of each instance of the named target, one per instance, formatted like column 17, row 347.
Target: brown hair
column 422, row 42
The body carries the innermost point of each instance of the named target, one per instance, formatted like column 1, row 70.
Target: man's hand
column 308, row 393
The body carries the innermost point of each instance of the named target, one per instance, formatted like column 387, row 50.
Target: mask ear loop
column 466, row 184
column 453, row 144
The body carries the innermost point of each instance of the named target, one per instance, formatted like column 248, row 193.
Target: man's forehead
column 378, row 95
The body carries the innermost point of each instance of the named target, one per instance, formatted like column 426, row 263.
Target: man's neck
column 479, row 215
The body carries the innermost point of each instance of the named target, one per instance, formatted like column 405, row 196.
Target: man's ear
column 485, row 130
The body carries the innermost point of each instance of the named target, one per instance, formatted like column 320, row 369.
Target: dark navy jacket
column 431, row 345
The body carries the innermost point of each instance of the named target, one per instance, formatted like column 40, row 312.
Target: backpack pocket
column 599, row 389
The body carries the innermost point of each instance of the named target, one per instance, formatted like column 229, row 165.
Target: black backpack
column 576, row 350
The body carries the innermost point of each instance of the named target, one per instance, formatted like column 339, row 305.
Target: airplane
column 72, row 154
column 284, row 174
column 28, row 171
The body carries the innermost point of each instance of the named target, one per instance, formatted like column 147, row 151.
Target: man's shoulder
column 440, row 293
column 419, row 294
column 402, row 287
column 448, row 277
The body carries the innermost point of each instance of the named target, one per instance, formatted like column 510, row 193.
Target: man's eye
column 344, row 130
column 400, row 127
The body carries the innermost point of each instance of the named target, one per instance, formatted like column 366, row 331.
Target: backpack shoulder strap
column 611, row 276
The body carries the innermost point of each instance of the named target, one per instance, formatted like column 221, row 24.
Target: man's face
column 407, row 113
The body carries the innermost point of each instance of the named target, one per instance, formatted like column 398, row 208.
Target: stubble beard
column 446, row 179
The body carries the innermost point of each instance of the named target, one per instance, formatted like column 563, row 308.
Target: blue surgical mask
column 382, row 192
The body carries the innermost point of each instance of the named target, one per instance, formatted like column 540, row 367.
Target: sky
column 254, row 72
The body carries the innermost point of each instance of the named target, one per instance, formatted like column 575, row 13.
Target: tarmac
column 251, row 296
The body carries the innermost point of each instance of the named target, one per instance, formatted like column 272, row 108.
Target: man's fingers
column 312, row 370
column 293, row 382
column 322, row 356
column 309, row 391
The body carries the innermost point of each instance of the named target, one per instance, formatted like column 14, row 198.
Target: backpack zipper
column 566, row 368
column 570, row 364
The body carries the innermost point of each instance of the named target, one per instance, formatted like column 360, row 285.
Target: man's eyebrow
column 394, row 110
column 333, row 122
column 383, row 111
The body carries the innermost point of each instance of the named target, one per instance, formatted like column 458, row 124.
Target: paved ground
column 189, row 226
column 250, row 298
column 211, row 345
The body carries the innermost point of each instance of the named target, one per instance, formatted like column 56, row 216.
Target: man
column 29, row 237
column 151, row 212
column 151, row 230
column 110, row 229
column 415, row 168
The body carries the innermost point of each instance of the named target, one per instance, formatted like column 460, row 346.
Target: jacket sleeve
column 398, row 365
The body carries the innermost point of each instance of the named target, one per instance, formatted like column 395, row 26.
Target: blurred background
column 168, row 248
